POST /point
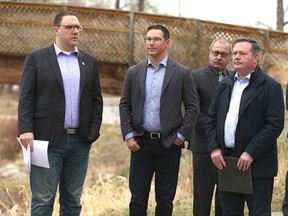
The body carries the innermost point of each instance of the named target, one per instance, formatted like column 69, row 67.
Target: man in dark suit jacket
column 285, row 201
column 60, row 102
column 204, row 173
column 152, row 122
column 244, row 120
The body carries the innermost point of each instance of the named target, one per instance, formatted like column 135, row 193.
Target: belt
column 152, row 135
column 71, row 131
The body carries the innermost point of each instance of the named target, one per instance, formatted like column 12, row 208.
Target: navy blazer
column 41, row 107
column 178, row 88
column 260, row 121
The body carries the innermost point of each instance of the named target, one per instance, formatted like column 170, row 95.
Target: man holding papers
column 60, row 102
column 244, row 120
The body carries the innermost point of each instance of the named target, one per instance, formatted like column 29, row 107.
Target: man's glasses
column 216, row 53
column 72, row 27
column 156, row 40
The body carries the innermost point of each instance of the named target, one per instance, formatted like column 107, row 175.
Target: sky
column 251, row 13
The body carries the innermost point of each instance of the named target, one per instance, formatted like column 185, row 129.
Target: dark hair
column 166, row 33
column 58, row 17
column 254, row 45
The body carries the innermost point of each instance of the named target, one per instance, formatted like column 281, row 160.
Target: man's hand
column 217, row 158
column 27, row 139
column 244, row 161
column 132, row 144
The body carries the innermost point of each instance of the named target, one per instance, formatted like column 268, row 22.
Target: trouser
column 204, row 182
column 68, row 167
column 153, row 158
column 259, row 203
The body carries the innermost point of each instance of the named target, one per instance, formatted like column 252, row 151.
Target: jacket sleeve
column 125, row 106
column 286, row 97
column 191, row 105
column 27, row 95
column 211, row 122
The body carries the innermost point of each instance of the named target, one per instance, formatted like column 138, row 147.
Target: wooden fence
column 115, row 38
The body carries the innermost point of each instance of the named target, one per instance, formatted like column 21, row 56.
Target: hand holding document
column 38, row 157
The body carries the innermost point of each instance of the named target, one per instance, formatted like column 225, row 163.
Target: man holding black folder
column 244, row 120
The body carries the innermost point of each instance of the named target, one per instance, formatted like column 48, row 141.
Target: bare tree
column 117, row 4
column 141, row 5
column 280, row 16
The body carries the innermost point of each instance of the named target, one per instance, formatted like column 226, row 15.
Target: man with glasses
column 204, row 173
column 152, row 122
column 60, row 102
column 244, row 120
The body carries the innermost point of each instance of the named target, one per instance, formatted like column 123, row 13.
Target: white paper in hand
column 26, row 155
column 39, row 156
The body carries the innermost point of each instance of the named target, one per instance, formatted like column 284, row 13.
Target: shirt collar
column 163, row 62
column 58, row 50
column 246, row 77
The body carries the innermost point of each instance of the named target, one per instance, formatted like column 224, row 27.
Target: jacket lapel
column 210, row 75
column 250, row 91
column 142, row 76
column 52, row 58
column 168, row 74
column 82, row 67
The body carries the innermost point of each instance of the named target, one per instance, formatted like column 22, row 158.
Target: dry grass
column 106, row 190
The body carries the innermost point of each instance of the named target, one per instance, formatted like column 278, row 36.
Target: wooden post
column 131, row 40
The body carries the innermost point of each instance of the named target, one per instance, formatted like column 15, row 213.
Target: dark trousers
column 285, row 201
column 259, row 203
column 204, row 182
column 153, row 158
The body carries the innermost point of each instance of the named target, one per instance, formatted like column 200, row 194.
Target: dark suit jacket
column 286, row 97
column 42, row 101
column 178, row 87
column 260, row 121
column 206, row 82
